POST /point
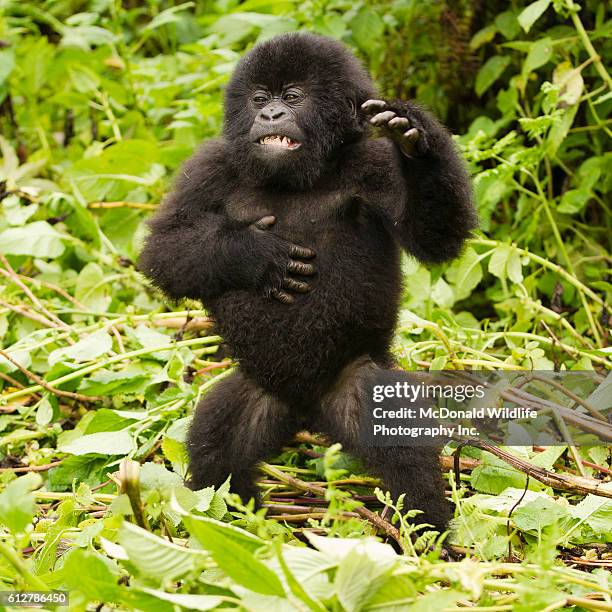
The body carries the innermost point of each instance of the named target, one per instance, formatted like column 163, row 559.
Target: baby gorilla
column 289, row 229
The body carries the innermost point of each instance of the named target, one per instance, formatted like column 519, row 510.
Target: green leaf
column 37, row 239
column 506, row 263
column 537, row 514
column 17, row 505
column 596, row 512
column 7, row 63
column 490, row 72
column 465, row 273
column 539, row 54
column 157, row 558
column 85, row 469
column 199, row 527
column 88, row 348
column 367, row 28
column 573, row 201
column 233, row 557
column 156, row 476
column 185, row 600
column 102, row 443
column 133, row 379
column 91, row 289
column 532, row 13
column 356, row 573
column 92, row 575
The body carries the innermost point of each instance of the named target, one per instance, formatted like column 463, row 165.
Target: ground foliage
column 100, row 102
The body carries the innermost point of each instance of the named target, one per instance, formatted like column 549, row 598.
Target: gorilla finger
column 301, row 252
column 265, row 222
column 373, row 106
column 382, row 118
column 412, row 135
column 399, row 123
column 295, row 285
column 298, row 267
column 282, row 296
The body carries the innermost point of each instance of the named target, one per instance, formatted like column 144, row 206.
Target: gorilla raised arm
column 288, row 228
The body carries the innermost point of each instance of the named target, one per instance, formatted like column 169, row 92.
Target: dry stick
column 39, row 381
column 33, row 468
column 594, row 412
column 368, row 515
column 562, row 482
column 586, row 422
column 26, row 312
column 12, row 275
column 11, row 380
column 55, row 288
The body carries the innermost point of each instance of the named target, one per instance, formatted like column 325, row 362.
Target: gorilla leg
column 236, row 425
column 413, row 470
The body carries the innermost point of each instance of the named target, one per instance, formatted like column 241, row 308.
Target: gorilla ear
column 352, row 106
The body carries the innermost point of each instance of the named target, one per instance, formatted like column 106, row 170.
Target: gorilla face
column 290, row 105
column 275, row 130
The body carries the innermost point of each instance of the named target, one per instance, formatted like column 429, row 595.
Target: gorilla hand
column 402, row 126
column 290, row 264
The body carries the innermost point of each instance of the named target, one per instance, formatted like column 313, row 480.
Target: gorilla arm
column 424, row 189
column 194, row 249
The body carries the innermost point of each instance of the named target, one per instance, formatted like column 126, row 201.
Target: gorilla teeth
column 279, row 141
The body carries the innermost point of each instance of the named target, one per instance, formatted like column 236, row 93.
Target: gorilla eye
column 291, row 96
column 260, row 98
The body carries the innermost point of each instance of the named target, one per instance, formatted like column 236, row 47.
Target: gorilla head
column 291, row 103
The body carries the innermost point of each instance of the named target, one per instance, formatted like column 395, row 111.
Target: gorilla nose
column 272, row 114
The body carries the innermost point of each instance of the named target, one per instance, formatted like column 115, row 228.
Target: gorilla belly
column 301, row 347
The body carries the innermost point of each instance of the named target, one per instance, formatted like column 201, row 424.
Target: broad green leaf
column 185, row 600
column 537, row 514
column 539, row 53
column 465, row 273
column 91, row 574
column 596, row 512
column 442, row 293
column 91, row 289
column 367, row 28
column 490, row 72
column 234, row 558
column 7, row 63
column 17, row 505
column 88, row 348
column 157, row 558
column 532, row 13
column 156, row 476
column 199, row 527
column 134, row 379
column 38, row 239
column 356, row 573
column 102, row 443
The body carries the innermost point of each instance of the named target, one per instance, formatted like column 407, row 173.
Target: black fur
column 352, row 200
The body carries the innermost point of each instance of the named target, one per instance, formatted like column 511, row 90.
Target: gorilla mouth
column 276, row 140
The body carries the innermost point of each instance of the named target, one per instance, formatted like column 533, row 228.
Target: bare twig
column 12, row 275
column 32, row 468
column 26, row 312
column 562, row 482
column 45, row 385
column 302, row 485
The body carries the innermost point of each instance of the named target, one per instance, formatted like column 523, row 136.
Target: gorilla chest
column 298, row 214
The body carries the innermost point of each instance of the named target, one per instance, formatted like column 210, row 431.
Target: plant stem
column 17, row 562
column 109, row 361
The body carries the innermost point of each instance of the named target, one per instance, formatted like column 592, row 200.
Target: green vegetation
column 100, row 101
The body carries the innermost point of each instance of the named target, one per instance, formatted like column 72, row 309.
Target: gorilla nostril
column 272, row 114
